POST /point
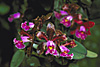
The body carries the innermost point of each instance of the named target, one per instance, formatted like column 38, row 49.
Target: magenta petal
column 77, row 33
column 31, row 24
column 16, row 15
column 51, row 43
column 55, row 53
column 23, row 25
column 25, row 39
column 62, row 21
column 63, row 55
column 63, row 12
column 57, row 15
column 63, row 48
column 69, row 18
column 10, row 19
column 26, row 28
column 20, row 46
column 47, row 52
column 83, row 36
column 70, row 56
column 67, row 24
column 14, row 40
column 82, row 28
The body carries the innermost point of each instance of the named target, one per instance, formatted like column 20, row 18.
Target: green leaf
column 84, row 15
column 61, row 61
column 24, row 6
column 17, row 58
column 4, row 9
column 91, row 54
column 73, row 1
column 79, row 51
column 33, row 61
column 56, row 4
column 4, row 23
column 26, row 43
column 87, row 2
column 73, row 65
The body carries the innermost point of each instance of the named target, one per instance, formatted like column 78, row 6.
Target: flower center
column 50, row 48
column 65, row 52
column 82, row 32
column 66, row 20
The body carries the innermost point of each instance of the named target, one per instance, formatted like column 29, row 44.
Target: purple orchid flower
column 14, row 16
column 18, row 44
column 66, row 21
column 57, row 15
column 81, row 33
column 63, row 12
column 51, row 48
column 26, row 39
column 26, row 27
column 65, row 51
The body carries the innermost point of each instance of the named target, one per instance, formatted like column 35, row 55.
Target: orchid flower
column 19, row 44
column 66, row 21
column 65, row 51
column 27, row 27
column 14, row 16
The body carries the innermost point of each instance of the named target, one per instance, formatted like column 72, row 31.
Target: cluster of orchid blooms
column 53, row 40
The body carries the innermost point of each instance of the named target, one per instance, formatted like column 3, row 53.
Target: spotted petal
column 41, row 35
column 50, row 30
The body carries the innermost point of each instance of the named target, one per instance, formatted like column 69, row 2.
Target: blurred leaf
column 33, row 61
column 15, row 5
column 58, row 4
column 4, row 9
column 24, row 6
column 91, row 54
column 4, row 23
column 87, row 2
column 26, row 44
column 17, row 58
column 73, row 65
column 61, row 61
column 73, row 1
column 79, row 51
column 84, row 15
